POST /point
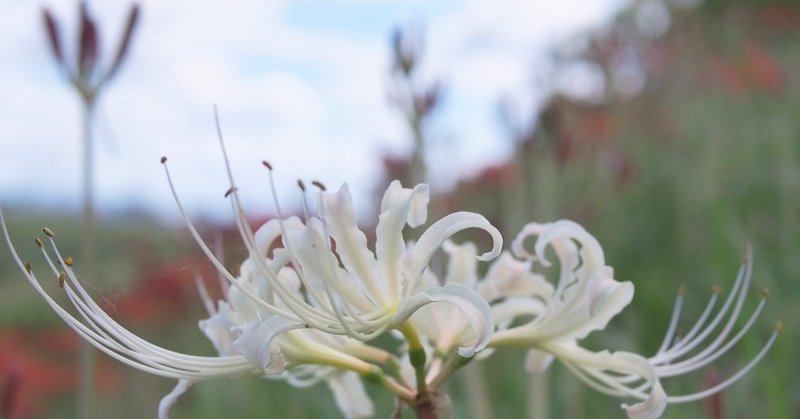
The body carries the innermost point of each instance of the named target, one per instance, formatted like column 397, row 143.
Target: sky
column 302, row 84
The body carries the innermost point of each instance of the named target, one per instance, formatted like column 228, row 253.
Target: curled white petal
column 446, row 227
column 604, row 298
column 508, row 277
column 517, row 246
column 651, row 408
column 475, row 309
column 256, row 343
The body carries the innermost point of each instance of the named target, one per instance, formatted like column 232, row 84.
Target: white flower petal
column 462, row 262
column 256, row 343
column 267, row 234
column 351, row 243
column 474, row 308
column 537, row 362
column 506, row 311
column 418, row 210
column 617, row 364
column 603, row 299
column 509, row 277
column 518, row 247
column 396, row 206
column 606, row 296
column 351, row 398
column 442, row 230
column 167, row 401
column 218, row 329
column 652, row 408
column 591, row 253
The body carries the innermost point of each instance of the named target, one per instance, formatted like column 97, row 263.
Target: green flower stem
column 386, row 360
column 345, row 361
column 416, row 354
column 377, row 377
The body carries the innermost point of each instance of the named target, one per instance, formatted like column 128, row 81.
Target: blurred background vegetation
column 690, row 150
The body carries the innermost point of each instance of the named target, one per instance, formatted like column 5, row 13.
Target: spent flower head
column 84, row 72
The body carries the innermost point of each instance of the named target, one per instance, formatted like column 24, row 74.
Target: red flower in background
column 755, row 69
column 39, row 365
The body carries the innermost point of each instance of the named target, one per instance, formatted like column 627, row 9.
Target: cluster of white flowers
column 311, row 296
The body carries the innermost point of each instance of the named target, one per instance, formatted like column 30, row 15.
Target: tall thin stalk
column 87, row 354
column 88, row 80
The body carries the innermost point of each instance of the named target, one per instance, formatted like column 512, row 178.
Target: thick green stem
column 416, row 355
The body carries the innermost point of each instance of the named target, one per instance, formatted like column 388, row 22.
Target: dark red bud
column 87, row 47
column 124, row 44
column 51, row 26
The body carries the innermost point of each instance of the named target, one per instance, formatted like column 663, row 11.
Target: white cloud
column 311, row 100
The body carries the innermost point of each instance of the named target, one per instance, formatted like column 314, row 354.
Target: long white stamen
column 152, row 360
column 721, row 386
column 673, row 323
column 678, row 342
column 83, row 301
column 213, row 258
column 741, row 284
column 702, row 359
column 291, row 299
column 310, row 288
column 295, row 306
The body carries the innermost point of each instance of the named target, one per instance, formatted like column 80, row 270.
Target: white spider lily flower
column 246, row 344
column 587, row 297
column 371, row 293
column 351, row 290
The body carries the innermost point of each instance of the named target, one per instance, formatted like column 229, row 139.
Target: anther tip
column 48, row 232
column 28, row 267
column 231, row 190
column 779, row 326
column 765, row 293
column 682, row 290
column 62, row 278
column 266, row 164
column 301, row 184
column 716, row 289
column 163, row 159
column 319, row 185
column 68, row 261
column 38, row 241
